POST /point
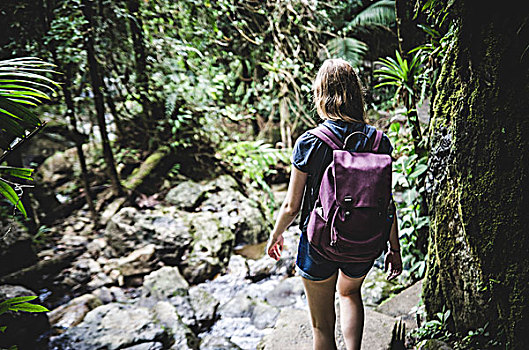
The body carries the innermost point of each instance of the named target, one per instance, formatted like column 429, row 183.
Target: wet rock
column 217, row 343
column 15, row 247
column 182, row 336
column 166, row 228
column 118, row 295
column 146, row 346
column 261, row 314
column 113, row 326
column 211, row 248
column 165, row 283
column 264, row 315
column 240, row 306
column 104, row 294
column 139, row 262
column 26, row 330
column 73, row 313
column 96, row 247
column 286, row 292
column 58, row 169
column 205, row 307
column 240, row 214
column 186, row 195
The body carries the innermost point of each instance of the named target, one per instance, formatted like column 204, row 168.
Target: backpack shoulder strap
column 327, row 136
column 376, row 142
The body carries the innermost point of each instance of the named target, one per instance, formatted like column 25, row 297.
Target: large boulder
column 165, row 283
column 240, row 213
column 114, row 326
column 186, row 195
column 210, row 250
column 196, row 308
column 166, row 228
column 26, row 330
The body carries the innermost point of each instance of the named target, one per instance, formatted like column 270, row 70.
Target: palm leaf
column 350, row 49
column 379, row 14
column 10, row 195
column 22, row 84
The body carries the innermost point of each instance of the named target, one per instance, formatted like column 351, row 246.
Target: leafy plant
column 435, row 328
column 408, row 171
column 380, row 14
column 21, row 304
column 22, row 85
column 255, row 159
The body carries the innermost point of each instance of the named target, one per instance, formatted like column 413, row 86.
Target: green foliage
column 380, row 14
column 256, row 160
column 22, row 85
column 350, row 49
column 408, row 170
column 21, row 304
column 436, row 328
column 406, row 76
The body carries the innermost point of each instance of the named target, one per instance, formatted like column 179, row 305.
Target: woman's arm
column 393, row 259
column 287, row 213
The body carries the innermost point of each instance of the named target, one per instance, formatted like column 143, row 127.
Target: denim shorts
column 311, row 265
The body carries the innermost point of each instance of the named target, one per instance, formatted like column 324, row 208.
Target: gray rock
column 211, row 248
column 218, row 343
column 23, row 329
column 264, row 315
column 139, row 262
column 403, row 304
column 166, row 228
column 118, row 294
column 186, row 195
column 182, row 337
column 104, row 294
column 165, row 283
column 113, row 326
column 205, row 307
column 240, row 214
column 185, row 310
column 73, row 312
column 286, row 292
column 146, row 346
column 240, row 306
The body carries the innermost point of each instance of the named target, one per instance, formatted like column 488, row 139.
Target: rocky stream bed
column 185, row 272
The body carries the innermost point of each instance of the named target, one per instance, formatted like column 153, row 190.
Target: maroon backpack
column 349, row 222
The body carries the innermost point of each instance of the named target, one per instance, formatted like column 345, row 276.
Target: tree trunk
column 97, row 88
column 477, row 182
column 408, row 34
column 47, row 18
column 140, row 58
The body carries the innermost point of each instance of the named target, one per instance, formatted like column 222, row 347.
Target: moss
column 478, row 263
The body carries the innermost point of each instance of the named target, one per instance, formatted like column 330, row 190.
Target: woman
column 339, row 102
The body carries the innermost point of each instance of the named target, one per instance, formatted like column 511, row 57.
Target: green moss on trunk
column 478, row 263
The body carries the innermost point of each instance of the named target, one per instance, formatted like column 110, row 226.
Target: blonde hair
column 338, row 92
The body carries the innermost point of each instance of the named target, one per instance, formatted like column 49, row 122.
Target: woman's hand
column 394, row 262
column 275, row 246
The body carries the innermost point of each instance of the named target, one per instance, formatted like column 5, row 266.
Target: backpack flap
column 362, row 180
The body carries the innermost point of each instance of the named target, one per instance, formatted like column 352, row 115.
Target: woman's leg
column 351, row 310
column 320, row 297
